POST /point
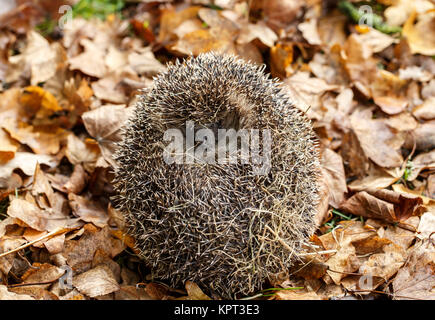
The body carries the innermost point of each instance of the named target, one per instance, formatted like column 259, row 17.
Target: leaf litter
column 66, row 93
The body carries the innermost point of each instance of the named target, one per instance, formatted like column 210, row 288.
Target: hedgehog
column 220, row 224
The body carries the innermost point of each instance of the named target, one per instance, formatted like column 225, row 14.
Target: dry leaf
column 79, row 152
column 39, row 57
column 383, row 204
column 425, row 111
column 104, row 124
column 195, row 292
column 416, row 280
column 423, row 137
column 79, row 254
column 257, row 31
column 88, row 210
column 333, row 171
column 296, row 295
column 7, row 295
column 91, row 61
column 96, row 282
column 421, row 36
column 377, row 139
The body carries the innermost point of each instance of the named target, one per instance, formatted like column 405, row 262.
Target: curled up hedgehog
column 199, row 211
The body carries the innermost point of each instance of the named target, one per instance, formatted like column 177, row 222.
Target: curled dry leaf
column 384, row 204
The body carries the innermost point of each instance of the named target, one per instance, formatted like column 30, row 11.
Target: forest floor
column 70, row 72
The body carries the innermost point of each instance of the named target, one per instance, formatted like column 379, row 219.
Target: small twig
column 48, row 235
column 318, row 252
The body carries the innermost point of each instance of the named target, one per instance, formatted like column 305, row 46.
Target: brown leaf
column 416, row 280
column 42, row 273
column 195, row 292
column 96, row 282
column 424, row 161
column 383, row 204
column 78, row 180
column 279, row 13
column 91, row 61
column 79, row 152
column 8, row 147
column 258, row 31
column 34, row 217
column 131, row 293
column 426, row 110
column 39, row 57
column 156, row 291
column 296, row 295
column 42, row 139
column 420, row 36
column 79, row 254
column 423, row 137
column 7, row 295
column 88, row 210
column 104, row 124
column 333, row 171
column 377, row 139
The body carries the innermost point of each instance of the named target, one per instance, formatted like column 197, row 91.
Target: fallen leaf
column 296, row 295
column 379, row 142
column 425, row 111
column 78, row 180
column 383, row 204
column 91, row 61
column 39, row 57
column 79, row 254
column 420, row 36
column 195, row 292
column 423, row 137
column 81, row 153
column 257, row 31
column 7, row 295
column 88, row 210
column 333, row 171
column 96, row 282
column 34, row 217
column 104, row 124
column 416, row 280
column 8, row 147
column 309, row 31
